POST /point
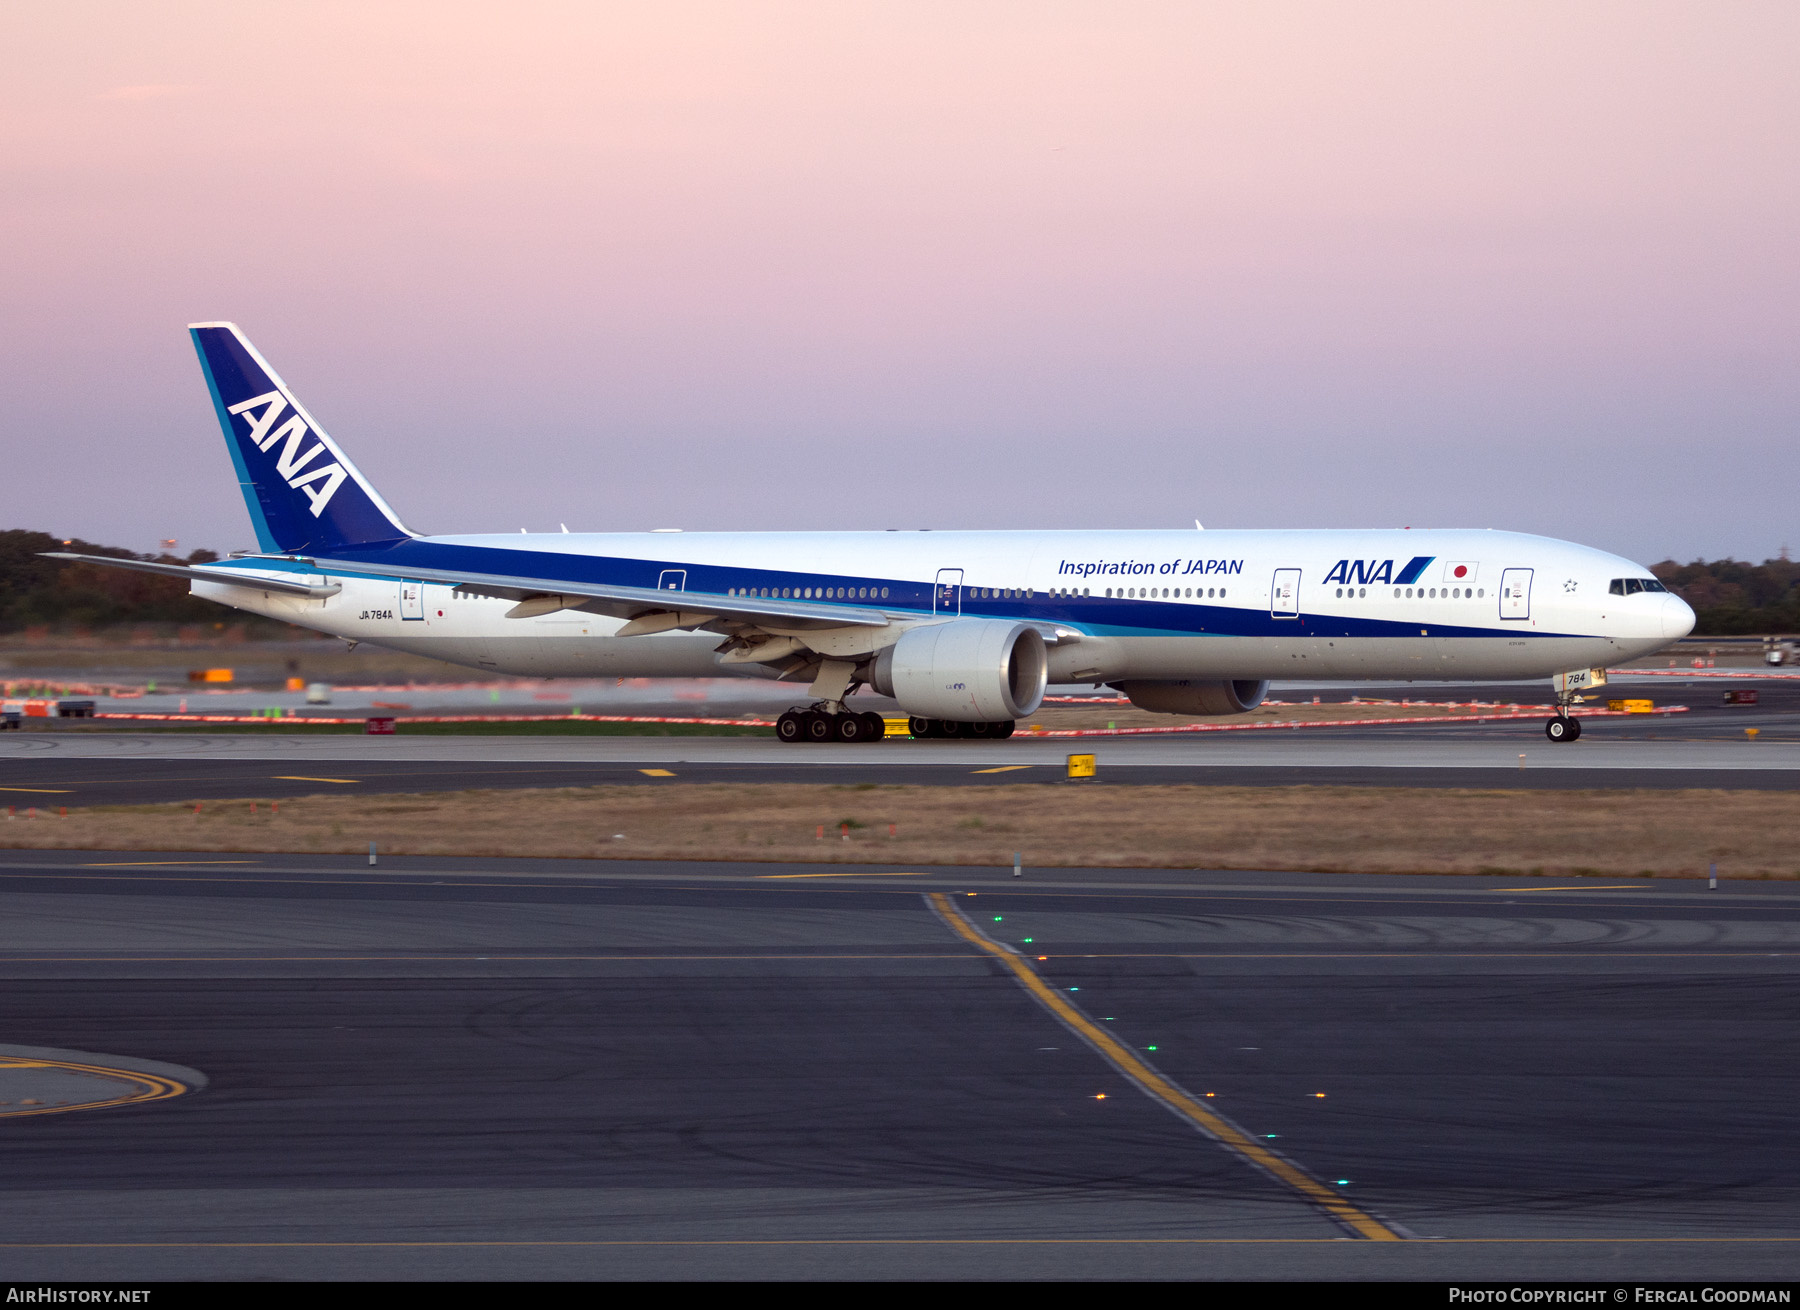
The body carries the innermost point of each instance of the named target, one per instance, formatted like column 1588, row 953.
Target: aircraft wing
column 689, row 609
column 201, row 573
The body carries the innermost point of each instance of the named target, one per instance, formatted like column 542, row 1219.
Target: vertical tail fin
column 303, row 493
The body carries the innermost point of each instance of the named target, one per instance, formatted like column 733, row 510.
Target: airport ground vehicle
column 964, row 629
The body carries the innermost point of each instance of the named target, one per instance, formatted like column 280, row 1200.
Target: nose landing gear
column 1563, row 728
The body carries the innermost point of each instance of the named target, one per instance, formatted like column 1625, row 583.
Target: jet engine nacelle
column 1192, row 696
column 970, row 670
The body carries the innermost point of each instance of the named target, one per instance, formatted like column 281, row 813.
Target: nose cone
column 1677, row 617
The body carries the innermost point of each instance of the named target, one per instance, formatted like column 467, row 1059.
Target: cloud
column 153, row 91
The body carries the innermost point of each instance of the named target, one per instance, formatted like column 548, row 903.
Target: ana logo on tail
column 290, row 464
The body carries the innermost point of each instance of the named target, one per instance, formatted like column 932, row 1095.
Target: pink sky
column 1510, row 265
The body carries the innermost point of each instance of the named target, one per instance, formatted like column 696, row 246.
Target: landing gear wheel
column 949, row 728
column 1003, row 729
column 849, row 727
column 921, row 728
column 787, row 727
column 877, row 725
column 1562, row 729
column 1574, row 729
column 816, row 726
column 978, row 729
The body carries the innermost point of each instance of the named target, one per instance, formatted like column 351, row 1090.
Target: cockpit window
column 1632, row 586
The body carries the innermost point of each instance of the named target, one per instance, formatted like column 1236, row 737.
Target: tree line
column 1736, row 598
column 1729, row 597
column 39, row 592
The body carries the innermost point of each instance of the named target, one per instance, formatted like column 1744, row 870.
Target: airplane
column 964, row 629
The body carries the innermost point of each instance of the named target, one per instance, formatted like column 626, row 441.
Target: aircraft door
column 946, row 597
column 412, row 600
column 1515, row 593
column 1284, row 596
column 672, row 580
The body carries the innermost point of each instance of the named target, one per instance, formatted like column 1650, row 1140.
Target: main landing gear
column 822, row 725
column 818, row 724
column 922, row 728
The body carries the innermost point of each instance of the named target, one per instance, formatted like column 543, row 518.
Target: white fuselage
column 1354, row 605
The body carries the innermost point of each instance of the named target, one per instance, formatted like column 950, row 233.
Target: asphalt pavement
column 554, row 1069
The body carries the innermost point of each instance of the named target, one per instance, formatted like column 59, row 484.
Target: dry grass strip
column 1324, row 829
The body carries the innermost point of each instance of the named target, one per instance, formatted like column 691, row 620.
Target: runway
column 135, row 768
column 472, row 1069
column 1705, row 747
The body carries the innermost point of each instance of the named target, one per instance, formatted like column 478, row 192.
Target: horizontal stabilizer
column 287, row 586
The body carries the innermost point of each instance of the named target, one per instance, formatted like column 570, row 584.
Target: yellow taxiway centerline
column 880, row 873
column 1005, row 768
column 290, row 777
column 1161, row 1088
column 135, row 864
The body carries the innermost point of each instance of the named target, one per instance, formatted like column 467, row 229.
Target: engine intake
column 970, row 670
column 1191, row 696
